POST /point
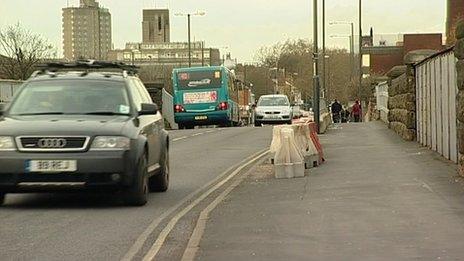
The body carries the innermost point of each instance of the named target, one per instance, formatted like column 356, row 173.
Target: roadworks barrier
column 288, row 160
column 294, row 146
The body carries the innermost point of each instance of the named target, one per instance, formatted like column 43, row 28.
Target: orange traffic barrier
column 315, row 139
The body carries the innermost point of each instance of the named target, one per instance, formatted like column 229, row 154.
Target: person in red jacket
column 356, row 111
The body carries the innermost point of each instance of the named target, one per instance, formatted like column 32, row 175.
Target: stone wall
column 459, row 53
column 402, row 102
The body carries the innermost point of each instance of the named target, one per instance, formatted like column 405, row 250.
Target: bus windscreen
column 199, row 80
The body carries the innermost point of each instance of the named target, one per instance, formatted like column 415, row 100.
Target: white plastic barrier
column 288, row 161
column 304, row 143
column 276, row 143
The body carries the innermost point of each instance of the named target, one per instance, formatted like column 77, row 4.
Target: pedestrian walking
column 336, row 111
column 356, row 111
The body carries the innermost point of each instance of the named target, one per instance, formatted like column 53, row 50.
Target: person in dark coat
column 336, row 111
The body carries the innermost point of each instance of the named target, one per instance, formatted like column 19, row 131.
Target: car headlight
column 259, row 112
column 7, row 143
column 111, row 143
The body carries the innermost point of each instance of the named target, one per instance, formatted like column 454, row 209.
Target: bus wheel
column 181, row 126
column 190, row 127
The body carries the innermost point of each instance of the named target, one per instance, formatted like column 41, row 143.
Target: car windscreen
column 71, row 97
column 273, row 101
column 199, row 80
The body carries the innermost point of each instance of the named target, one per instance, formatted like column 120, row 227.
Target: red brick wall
column 414, row 42
column 382, row 63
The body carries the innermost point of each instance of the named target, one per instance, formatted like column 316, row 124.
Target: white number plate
column 51, row 166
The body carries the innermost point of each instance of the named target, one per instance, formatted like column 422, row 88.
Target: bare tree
column 295, row 56
column 21, row 50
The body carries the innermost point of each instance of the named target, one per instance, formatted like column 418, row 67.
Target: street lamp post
column 276, row 78
column 324, row 85
column 351, row 44
column 327, row 79
column 316, row 87
column 189, row 42
column 351, row 53
column 188, row 29
column 360, row 51
column 203, row 53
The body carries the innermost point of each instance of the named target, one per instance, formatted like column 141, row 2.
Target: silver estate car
column 273, row 109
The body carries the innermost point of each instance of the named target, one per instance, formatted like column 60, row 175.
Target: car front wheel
column 160, row 182
column 137, row 194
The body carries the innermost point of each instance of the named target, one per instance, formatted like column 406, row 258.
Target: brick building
column 383, row 58
column 155, row 26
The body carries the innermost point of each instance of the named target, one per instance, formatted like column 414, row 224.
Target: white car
column 273, row 109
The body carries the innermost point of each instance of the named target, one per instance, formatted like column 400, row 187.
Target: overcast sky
column 241, row 25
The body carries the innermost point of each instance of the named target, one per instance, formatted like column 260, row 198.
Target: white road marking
column 180, row 138
column 151, row 254
column 210, row 131
column 194, row 241
column 137, row 246
column 197, row 134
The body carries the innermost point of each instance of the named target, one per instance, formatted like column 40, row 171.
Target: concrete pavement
column 376, row 198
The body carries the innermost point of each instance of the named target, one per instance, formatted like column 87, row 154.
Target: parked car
column 273, row 109
column 84, row 126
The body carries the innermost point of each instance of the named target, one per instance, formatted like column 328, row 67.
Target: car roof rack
column 87, row 66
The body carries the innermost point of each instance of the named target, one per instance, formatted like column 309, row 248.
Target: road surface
column 96, row 227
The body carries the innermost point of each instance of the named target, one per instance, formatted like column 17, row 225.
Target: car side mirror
column 149, row 109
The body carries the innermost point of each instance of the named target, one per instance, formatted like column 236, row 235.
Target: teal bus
column 205, row 96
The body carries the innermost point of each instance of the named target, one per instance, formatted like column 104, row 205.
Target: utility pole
column 352, row 52
column 211, row 57
column 323, row 82
column 327, row 77
column 189, row 43
column 277, row 77
column 360, row 52
column 202, row 53
column 316, row 87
